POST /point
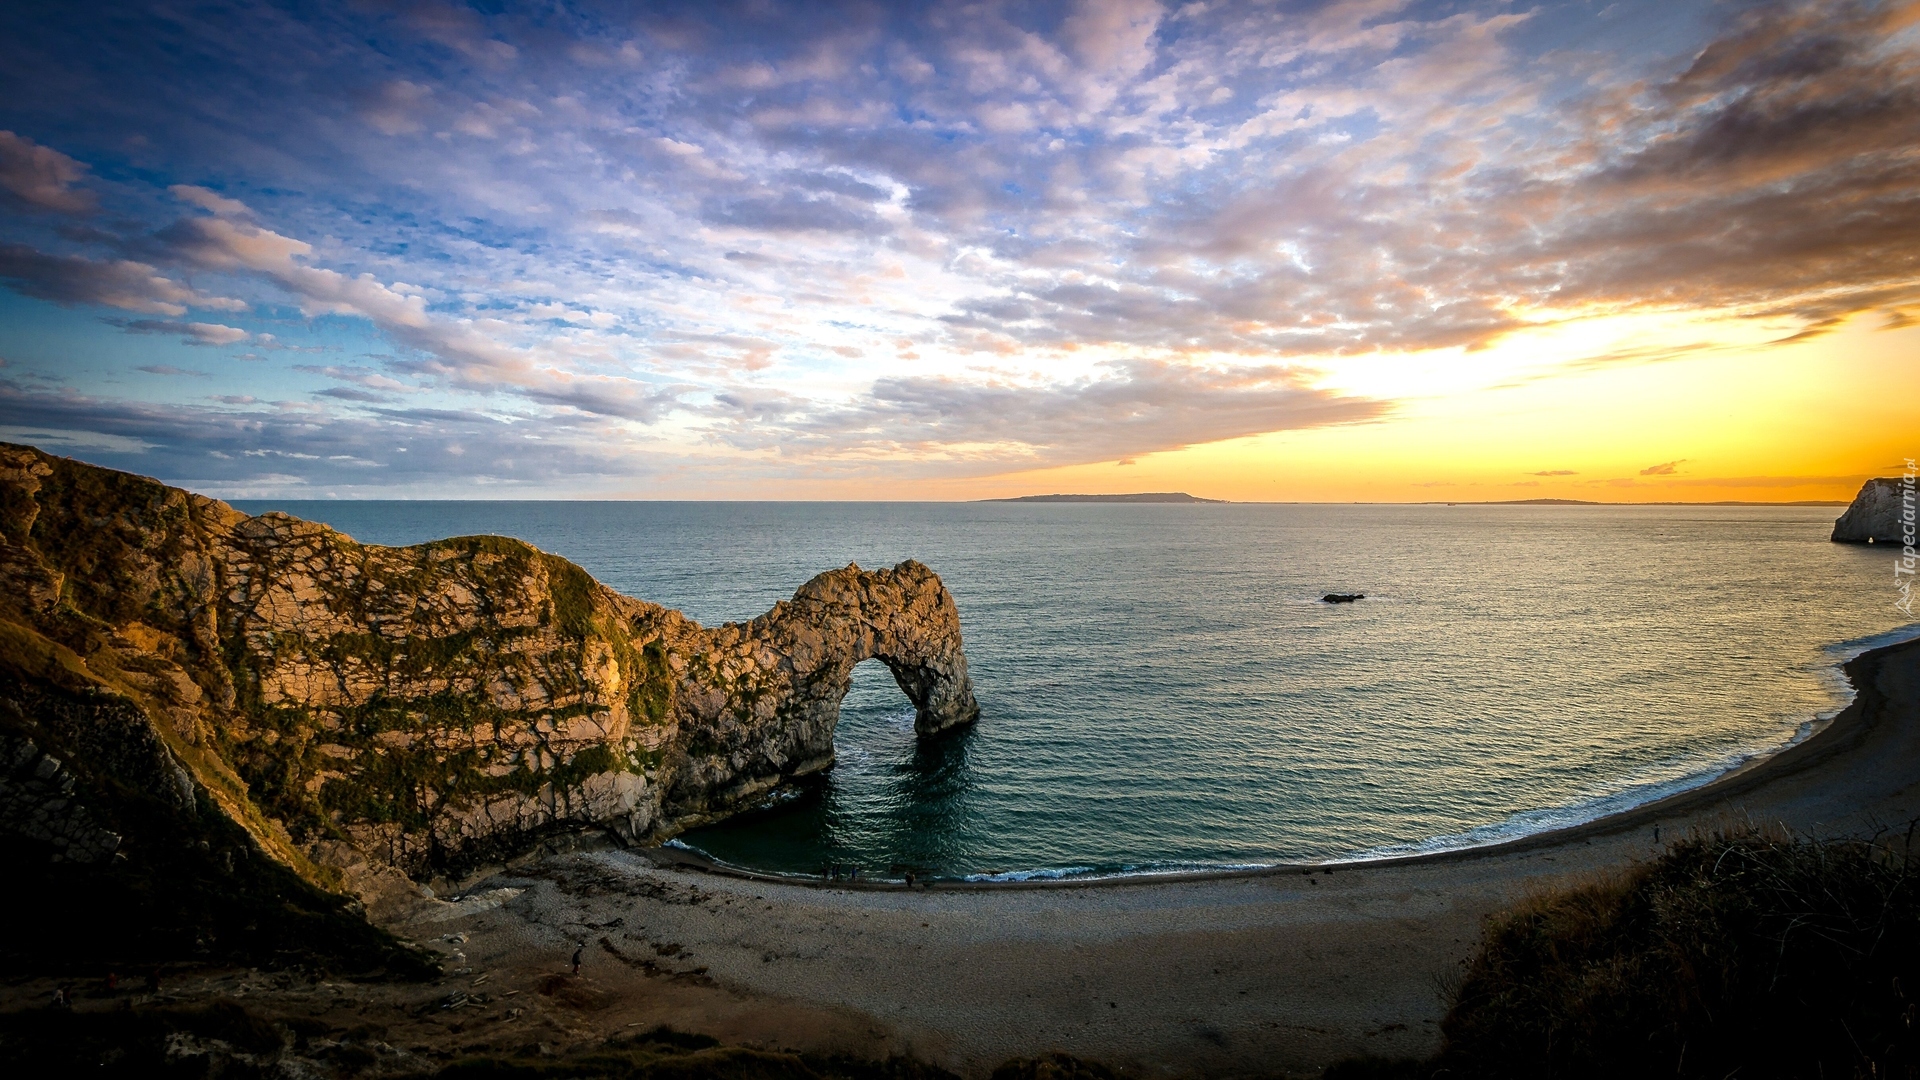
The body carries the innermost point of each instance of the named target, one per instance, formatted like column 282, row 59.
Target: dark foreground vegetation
column 166, row 903
column 232, row 1041
column 185, row 885
column 1747, row 954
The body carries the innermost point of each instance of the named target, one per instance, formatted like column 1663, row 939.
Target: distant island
column 1137, row 497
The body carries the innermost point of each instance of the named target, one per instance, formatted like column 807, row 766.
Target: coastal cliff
column 357, row 709
column 1877, row 515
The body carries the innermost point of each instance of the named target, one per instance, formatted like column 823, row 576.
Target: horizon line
column 965, row 502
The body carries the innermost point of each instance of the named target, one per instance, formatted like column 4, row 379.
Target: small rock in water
column 1342, row 597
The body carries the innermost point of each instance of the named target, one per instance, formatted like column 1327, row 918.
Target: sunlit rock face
column 1880, row 514
column 761, row 698
column 428, row 708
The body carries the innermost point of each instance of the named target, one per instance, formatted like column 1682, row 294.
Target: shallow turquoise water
column 1159, row 687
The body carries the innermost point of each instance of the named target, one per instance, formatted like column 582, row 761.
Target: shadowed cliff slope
column 357, row 708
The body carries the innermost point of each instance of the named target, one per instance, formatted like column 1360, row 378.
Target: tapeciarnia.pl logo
column 1903, row 564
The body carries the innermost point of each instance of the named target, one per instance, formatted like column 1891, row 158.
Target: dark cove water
column 1160, row 687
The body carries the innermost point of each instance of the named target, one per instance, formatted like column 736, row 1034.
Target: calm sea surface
column 1160, row 689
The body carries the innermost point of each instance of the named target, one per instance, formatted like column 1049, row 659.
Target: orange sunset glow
column 1320, row 252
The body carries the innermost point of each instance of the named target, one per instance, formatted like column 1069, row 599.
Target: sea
column 1162, row 688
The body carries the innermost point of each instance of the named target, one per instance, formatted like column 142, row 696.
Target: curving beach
column 1025, row 541
column 1290, row 968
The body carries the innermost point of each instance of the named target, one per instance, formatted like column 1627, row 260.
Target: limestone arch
column 774, row 722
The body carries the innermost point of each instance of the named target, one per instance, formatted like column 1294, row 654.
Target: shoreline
column 1280, row 972
column 1275, row 971
column 1819, row 740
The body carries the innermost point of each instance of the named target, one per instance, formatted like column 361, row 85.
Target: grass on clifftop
column 1747, row 954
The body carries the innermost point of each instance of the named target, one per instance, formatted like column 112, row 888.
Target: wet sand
column 1287, row 969
column 1276, row 971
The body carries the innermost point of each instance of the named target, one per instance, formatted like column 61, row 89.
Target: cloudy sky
column 1615, row 249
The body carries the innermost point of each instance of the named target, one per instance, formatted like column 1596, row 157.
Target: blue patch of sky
column 80, row 349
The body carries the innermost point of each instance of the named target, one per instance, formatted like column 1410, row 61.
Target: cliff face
column 1877, row 514
column 426, row 708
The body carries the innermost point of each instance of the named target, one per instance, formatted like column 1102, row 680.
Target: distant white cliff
column 1883, row 513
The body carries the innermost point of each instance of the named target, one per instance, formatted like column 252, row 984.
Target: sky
column 1378, row 250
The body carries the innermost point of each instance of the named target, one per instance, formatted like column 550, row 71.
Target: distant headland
column 1137, row 497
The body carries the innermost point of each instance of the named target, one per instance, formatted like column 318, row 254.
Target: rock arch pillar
column 940, row 699
column 763, row 712
column 906, row 619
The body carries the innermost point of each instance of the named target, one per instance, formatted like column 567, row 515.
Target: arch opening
column 876, row 728
column 940, row 700
column 891, row 803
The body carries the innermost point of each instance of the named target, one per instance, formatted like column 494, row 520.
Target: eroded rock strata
column 1881, row 514
column 425, row 708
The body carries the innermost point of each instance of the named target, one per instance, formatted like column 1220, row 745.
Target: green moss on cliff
column 32, row 655
column 410, row 761
column 439, row 629
column 573, row 594
column 118, row 538
column 413, row 656
column 653, row 690
column 407, row 787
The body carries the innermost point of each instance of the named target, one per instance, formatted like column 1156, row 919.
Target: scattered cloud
column 1772, row 481
column 397, row 108
column 231, row 446
column 450, row 348
column 1665, row 468
column 192, row 333
column 624, row 399
column 63, row 439
column 934, row 238
column 349, row 393
column 371, row 378
column 211, row 201
column 41, row 178
column 1127, row 408
column 116, row 283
